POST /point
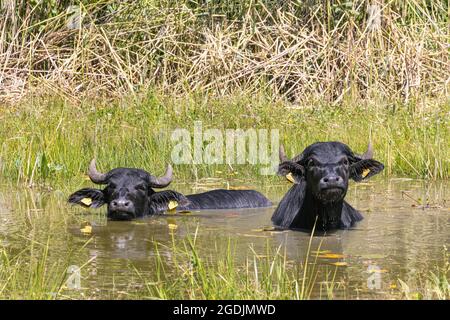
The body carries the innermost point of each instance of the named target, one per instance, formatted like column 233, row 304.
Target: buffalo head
column 322, row 172
column 128, row 192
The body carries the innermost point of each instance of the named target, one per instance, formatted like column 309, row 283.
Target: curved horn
column 369, row 153
column 282, row 154
column 96, row 176
column 163, row 181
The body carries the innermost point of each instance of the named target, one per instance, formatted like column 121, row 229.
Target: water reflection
column 405, row 228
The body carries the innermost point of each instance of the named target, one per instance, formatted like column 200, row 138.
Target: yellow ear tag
column 290, row 177
column 365, row 173
column 86, row 201
column 172, row 205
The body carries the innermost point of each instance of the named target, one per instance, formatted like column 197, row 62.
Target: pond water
column 398, row 239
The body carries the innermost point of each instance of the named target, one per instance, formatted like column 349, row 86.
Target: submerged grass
column 29, row 274
column 189, row 273
column 271, row 275
column 51, row 141
column 435, row 284
column 184, row 269
column 261, row 275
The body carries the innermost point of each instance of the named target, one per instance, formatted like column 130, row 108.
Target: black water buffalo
column 129, row 194
column 320, row 175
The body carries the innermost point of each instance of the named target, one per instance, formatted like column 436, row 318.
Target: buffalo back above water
column 130, row 193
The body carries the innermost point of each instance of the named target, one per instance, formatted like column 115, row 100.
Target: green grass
column 29, row 274
column 189, row 273
column 270, row 275
column 434, row 284
column 50, row 141
column 262, row 275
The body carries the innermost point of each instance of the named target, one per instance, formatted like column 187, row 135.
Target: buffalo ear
column 160, row 201
column 88, row 198
column 293, row 171
column 364, row 169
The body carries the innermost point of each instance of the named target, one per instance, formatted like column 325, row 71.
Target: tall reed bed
column 301, row 51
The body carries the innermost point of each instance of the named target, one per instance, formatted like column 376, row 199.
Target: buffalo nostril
column 331, row 179
column 120, row 203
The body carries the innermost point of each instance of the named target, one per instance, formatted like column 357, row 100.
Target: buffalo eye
column 345, row 162
column 112, row 185
column 311, row 163
column 141, row 187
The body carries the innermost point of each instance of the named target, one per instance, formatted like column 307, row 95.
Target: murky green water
column 398, row 239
